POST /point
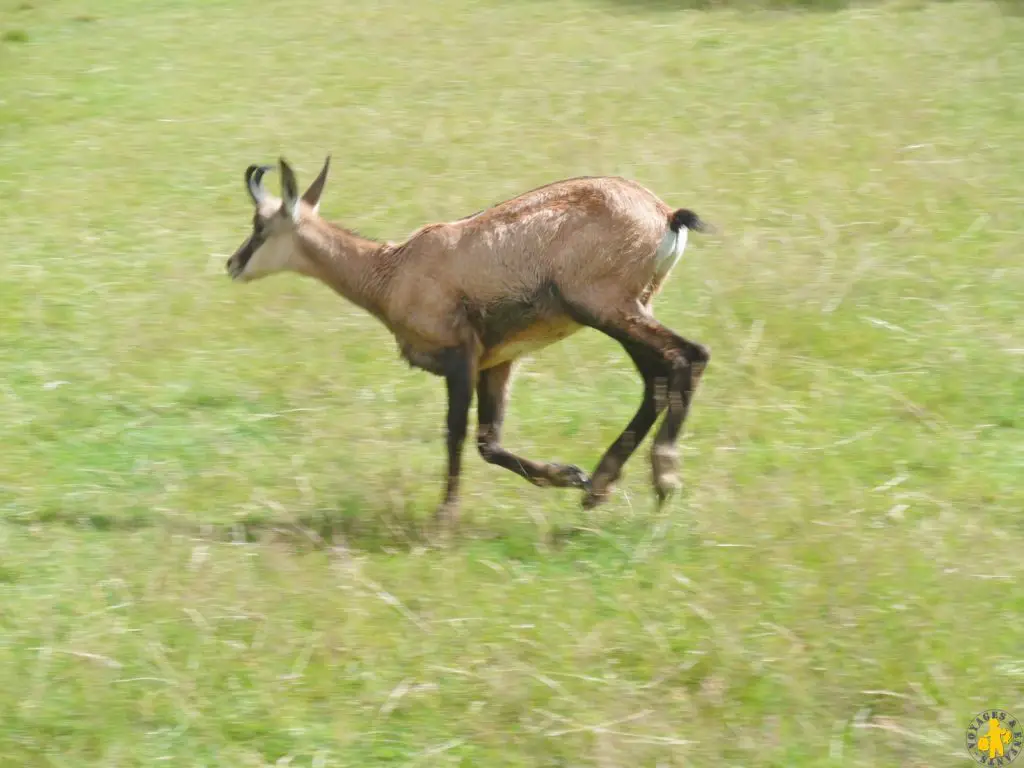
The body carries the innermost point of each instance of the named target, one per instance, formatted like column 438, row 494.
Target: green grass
column 213, row 497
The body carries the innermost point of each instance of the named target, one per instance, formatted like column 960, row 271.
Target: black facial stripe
column 249, row 247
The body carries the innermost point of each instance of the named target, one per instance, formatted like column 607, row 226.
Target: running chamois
column 465, row 299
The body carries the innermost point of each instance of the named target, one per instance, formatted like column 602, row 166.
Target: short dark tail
column 684, row 217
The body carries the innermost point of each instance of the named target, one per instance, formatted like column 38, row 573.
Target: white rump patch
column 669, row 250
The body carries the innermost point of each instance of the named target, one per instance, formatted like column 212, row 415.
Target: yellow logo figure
column 995, row 738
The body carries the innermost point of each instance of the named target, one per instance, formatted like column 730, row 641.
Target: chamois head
column 272, row 246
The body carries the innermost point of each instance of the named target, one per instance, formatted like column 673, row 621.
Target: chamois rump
column 465, row 299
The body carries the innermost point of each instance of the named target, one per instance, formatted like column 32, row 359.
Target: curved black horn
column 254, row 181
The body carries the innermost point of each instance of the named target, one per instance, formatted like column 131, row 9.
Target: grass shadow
column 96, row 521
column 369, row 531
column 352, row 526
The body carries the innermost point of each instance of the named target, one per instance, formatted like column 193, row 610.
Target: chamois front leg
column 458, row 366
column 492, row 396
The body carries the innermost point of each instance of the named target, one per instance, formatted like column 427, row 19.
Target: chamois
column 466, row 298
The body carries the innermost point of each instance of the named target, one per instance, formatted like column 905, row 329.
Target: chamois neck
column 344, row 261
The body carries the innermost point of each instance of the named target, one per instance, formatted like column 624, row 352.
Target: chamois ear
column 289, row 190
column 316, row 189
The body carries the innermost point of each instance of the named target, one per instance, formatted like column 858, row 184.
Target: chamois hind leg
column 682, row 385
column 610, row 466
column 492, row 396
column 676, row 365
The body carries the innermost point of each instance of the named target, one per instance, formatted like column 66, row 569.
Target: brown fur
column 509, row 280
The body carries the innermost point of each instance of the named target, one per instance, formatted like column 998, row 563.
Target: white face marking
column 277, row 253
column 273, row 256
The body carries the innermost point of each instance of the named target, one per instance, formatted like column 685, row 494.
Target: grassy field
column 213, row 497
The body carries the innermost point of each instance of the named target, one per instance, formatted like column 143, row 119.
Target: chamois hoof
column 665, row 463
column 595, row 497
column 571, row 476
column 666, row 485
column 440, row 532
column 446, row 514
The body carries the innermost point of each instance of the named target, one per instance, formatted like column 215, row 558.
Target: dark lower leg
column 609, row 468
column 681, row 386
column 675, row 366
column 458, row 367
column 492, row 395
